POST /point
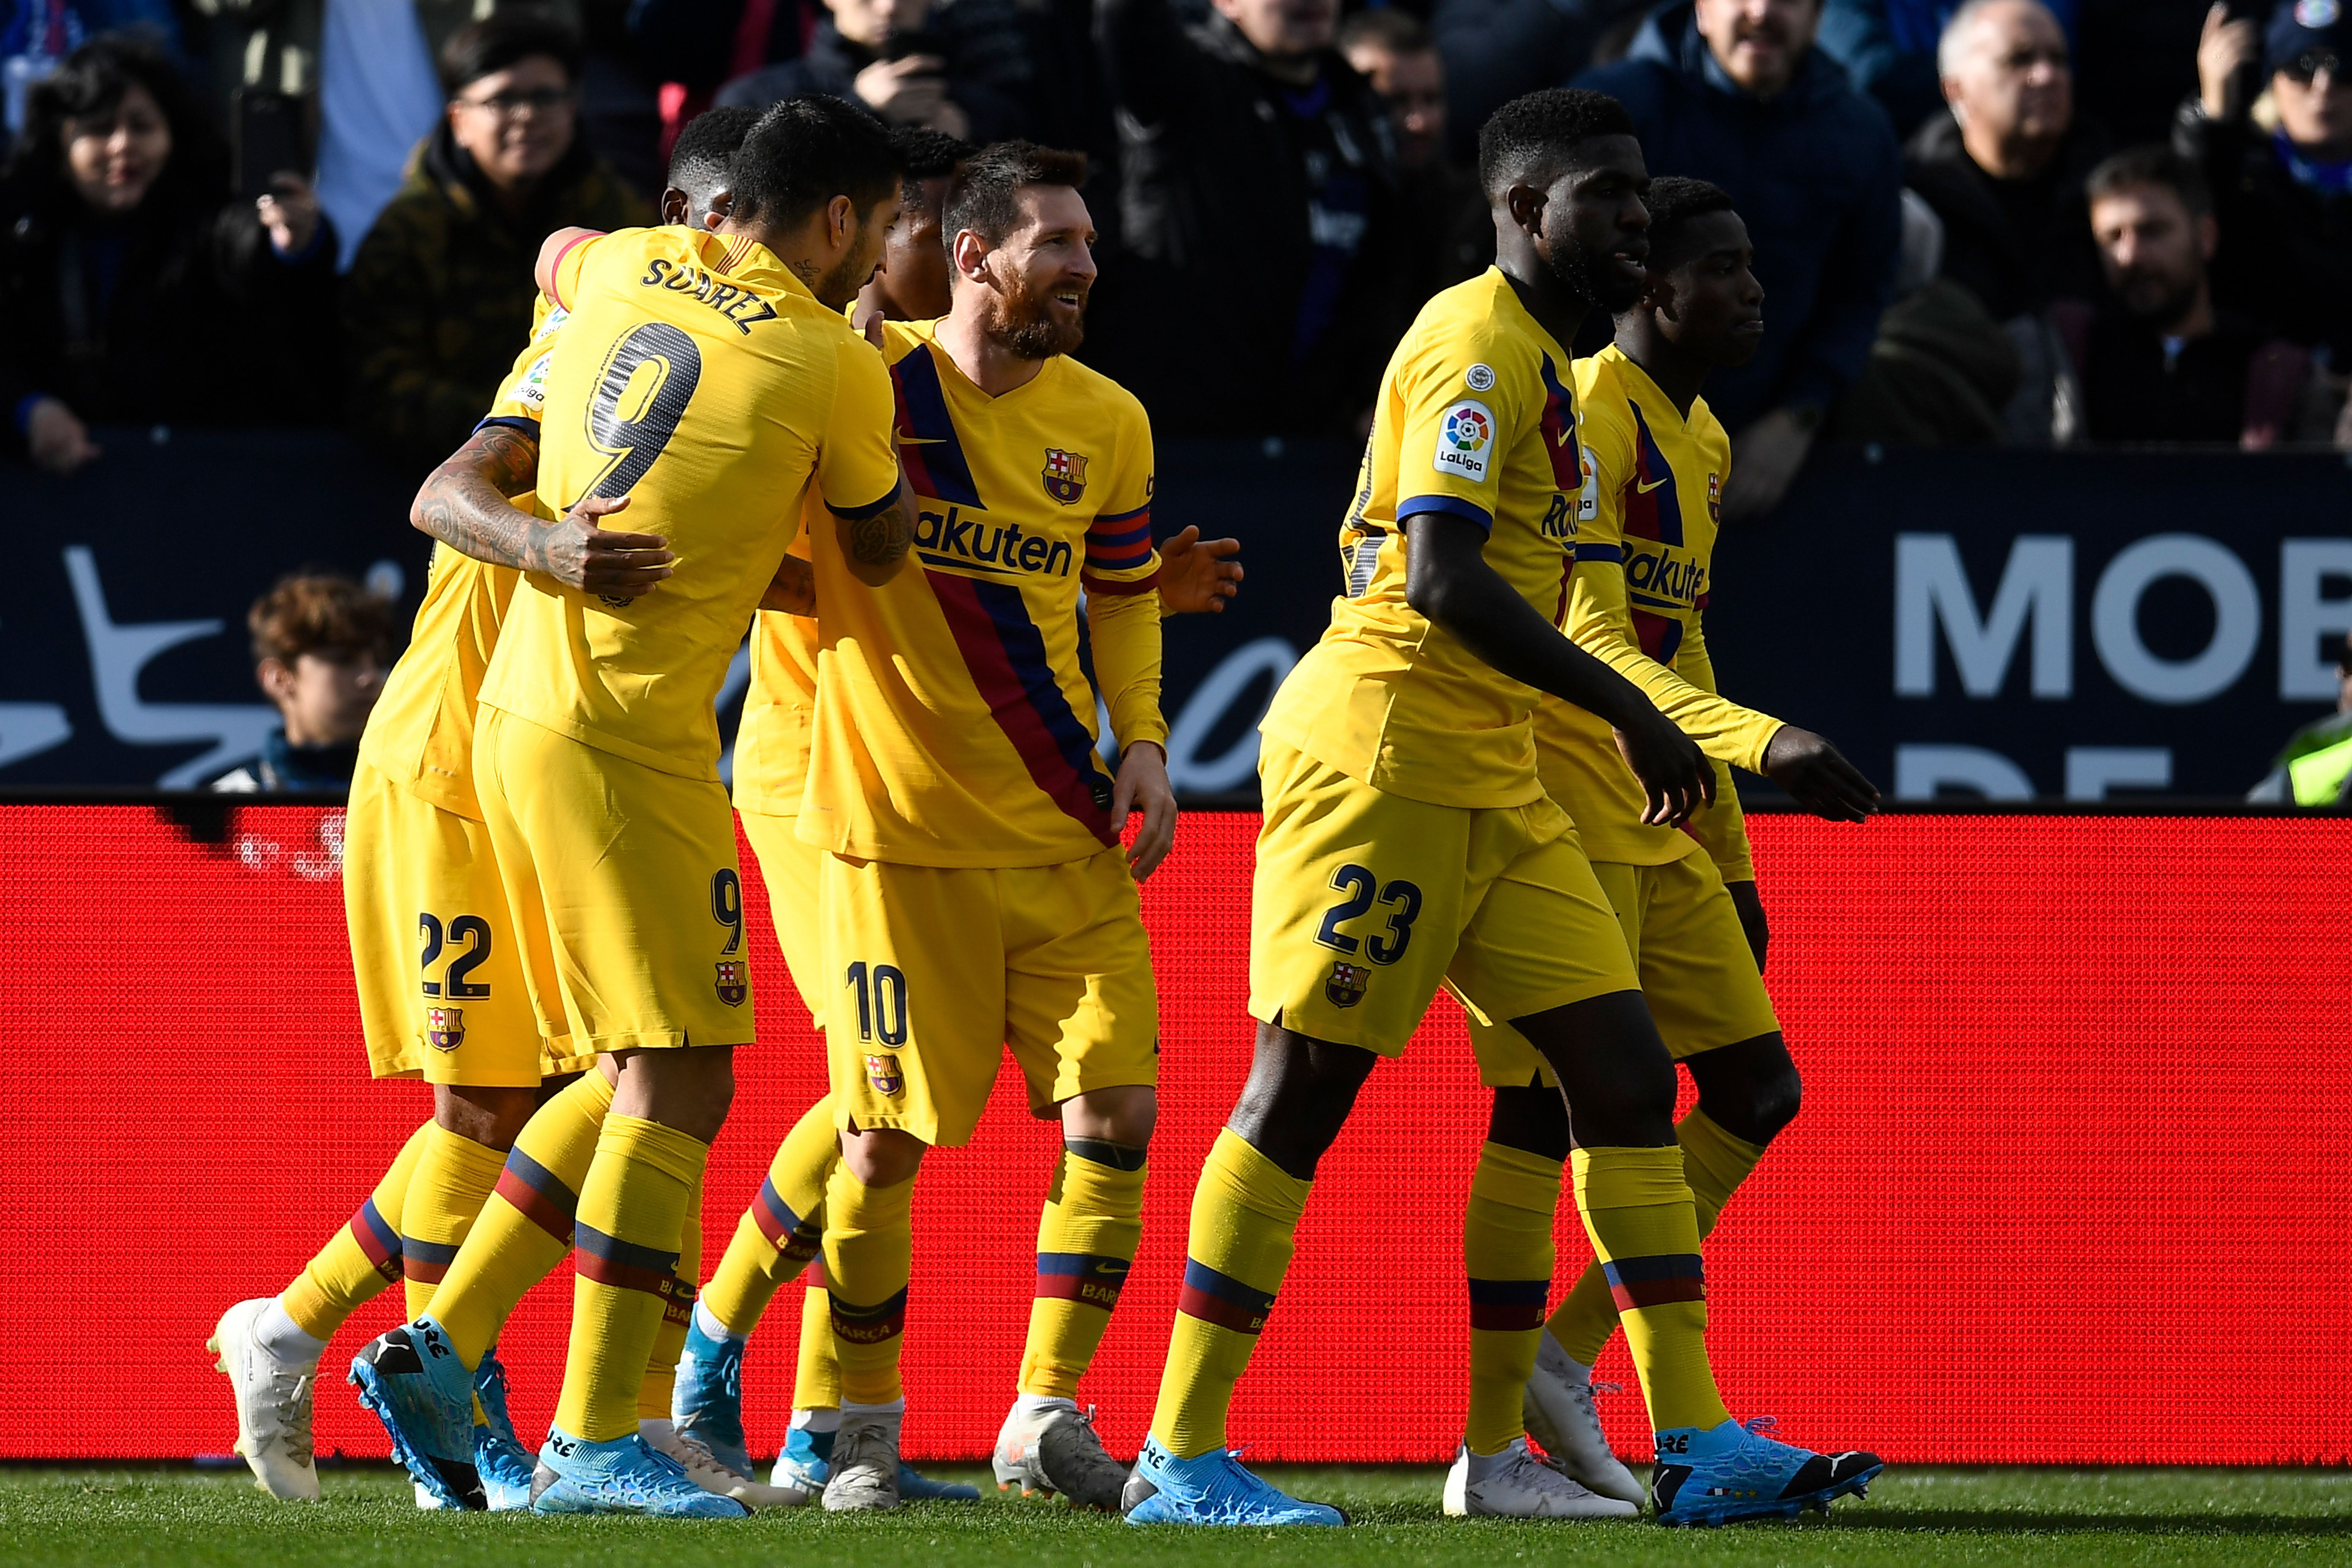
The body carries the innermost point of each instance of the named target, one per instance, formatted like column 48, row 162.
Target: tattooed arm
column 464, row 505
column 876, row 545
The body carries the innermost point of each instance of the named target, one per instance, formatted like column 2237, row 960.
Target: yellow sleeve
column 1124, row 629
column 1722, row 826
column 569, row 263
column 856, row 458
column 522, row 396
column 1120, row 559
column 1601, row 622
column 1450, row 439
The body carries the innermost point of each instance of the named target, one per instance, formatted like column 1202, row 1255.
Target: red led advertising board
column 2070, row 1183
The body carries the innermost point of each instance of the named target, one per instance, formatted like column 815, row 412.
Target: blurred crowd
column 2006, row 222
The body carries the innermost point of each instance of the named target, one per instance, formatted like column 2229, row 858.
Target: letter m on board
column 2036, row 589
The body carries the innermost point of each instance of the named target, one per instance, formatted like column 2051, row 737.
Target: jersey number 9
column 641, row 394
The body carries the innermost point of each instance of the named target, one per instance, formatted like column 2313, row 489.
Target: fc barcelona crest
column 1345, row 988
column 883, row 1073
column 444, row 1027
column 1066, row 475
column 732, row 986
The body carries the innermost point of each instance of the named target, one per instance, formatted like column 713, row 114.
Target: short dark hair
column 2154, row 164
column 1529, row 139
column 985, row 196
column 503, row 40
column 807, row 151
column 93, row 80
column 1398, row 32
column 704, row 156
column 321, row 613
column 1674, row 200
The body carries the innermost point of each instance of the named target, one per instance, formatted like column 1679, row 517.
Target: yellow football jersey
column 699, row 378
column 421, row 733
column 954, row 724
column 1474, row 418
column 772, row 744
column 1644, row 555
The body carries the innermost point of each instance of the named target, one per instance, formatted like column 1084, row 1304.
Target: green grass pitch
column 1917, row 1517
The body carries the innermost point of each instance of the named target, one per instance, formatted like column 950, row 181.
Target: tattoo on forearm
column 464, row 504
column 882, row 539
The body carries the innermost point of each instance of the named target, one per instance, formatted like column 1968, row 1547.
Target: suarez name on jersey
column 1475, row 419
column 954, row 722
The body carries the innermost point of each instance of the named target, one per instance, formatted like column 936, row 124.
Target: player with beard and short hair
column 1656, row 457
column 974, row 893
column 1408, row 843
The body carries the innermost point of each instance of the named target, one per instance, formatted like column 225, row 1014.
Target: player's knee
column 1533, row 1119
column 1751, row 1089
column 490, row 1116
column 1125, row 1115
column 882, row 1156
column 1298, row 1098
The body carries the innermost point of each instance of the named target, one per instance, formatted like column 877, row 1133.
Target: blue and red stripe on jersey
column 1118, row 543
column 870, row 1325
column 1558, row 426
column 1638, row 1282
column 538, row 1195
column 1661, row 637
column 624, row 1264
column 377, row 1240
column 929, row 445
column 795, row 1238
column 1092, row 1279
column 1005, row 654
column 1653, row 507
column 1221, row 1299
column 1508, row 1306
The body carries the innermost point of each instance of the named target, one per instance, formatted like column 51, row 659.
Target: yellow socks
column 526, row 1228
column 869, row 1250
column 816, row 1381
column 631, row 1229
column 1715, row 1163
column 1086, row 1243
column 1638, row 1212
column 1507, row 1248
column 780, row 1232
column 1246, row 1212
column 669, row 1342
column 359, row 1259
column 452, row 1178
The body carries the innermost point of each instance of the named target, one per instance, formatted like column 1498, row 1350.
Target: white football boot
column 1559, row 1415
column 1514, row 1484
column 865, row 1465
column 273, row 1406
column 1057, row 1450
column 703, row 1469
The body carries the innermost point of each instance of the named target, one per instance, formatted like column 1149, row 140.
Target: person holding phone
column 135, row 287
column 895, row 58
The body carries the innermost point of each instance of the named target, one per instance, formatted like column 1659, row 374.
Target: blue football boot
column 623, row 1476
column 500, row 1458
column 707, row 1403
column 1212, row 1488
column 1717, row 1475
column 807, row 1463
column 413, row 1383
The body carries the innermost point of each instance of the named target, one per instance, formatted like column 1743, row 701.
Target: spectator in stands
column 1445, row 220
column 441, row 293
column 321, row 644
column 1734, row 93
column 134, row 288
column 1261, row 290
column 886, row 55
column 1941, row 371
column 2275, row 148
column 1494, row 50
column 2158, row 362
column 1891, row 49
column 2314, row 767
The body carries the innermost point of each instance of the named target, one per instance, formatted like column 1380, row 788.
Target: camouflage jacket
column 439, row 298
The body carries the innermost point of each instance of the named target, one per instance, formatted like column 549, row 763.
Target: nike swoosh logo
column 1641, row 488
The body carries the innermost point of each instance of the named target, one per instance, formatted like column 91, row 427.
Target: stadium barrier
column 2069, row 1185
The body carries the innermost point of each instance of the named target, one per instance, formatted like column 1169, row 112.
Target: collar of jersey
column 1509, row 297
column 1638, row 385
column 929, row 333
column 738, row 256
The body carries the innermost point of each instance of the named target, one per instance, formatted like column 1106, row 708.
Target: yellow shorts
column 933, row 971
column 421, row 882
column 1698, row 973
column 636, row 871
column 790, row 867
column 1365, row 901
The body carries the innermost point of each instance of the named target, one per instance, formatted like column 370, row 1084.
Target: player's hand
column 579, row 554
column 2226, row 51
column 290, row 214
column 1142, row 785
column 1673, row 773
column 59, row 441
column 793, row 590
column 1744, row 898
column 1818, row 777
column 1198, row 575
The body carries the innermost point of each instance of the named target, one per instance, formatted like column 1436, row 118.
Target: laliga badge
column 444, row 1027
column 1464, row 436
column 732, row 984
column 883, row 1073
column 1345, row 988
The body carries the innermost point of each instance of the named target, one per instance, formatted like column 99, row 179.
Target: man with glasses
column 441, row 289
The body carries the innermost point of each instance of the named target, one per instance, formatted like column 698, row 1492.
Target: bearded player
column 1408, row 843
column 1655, row 459
column 419, row 875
